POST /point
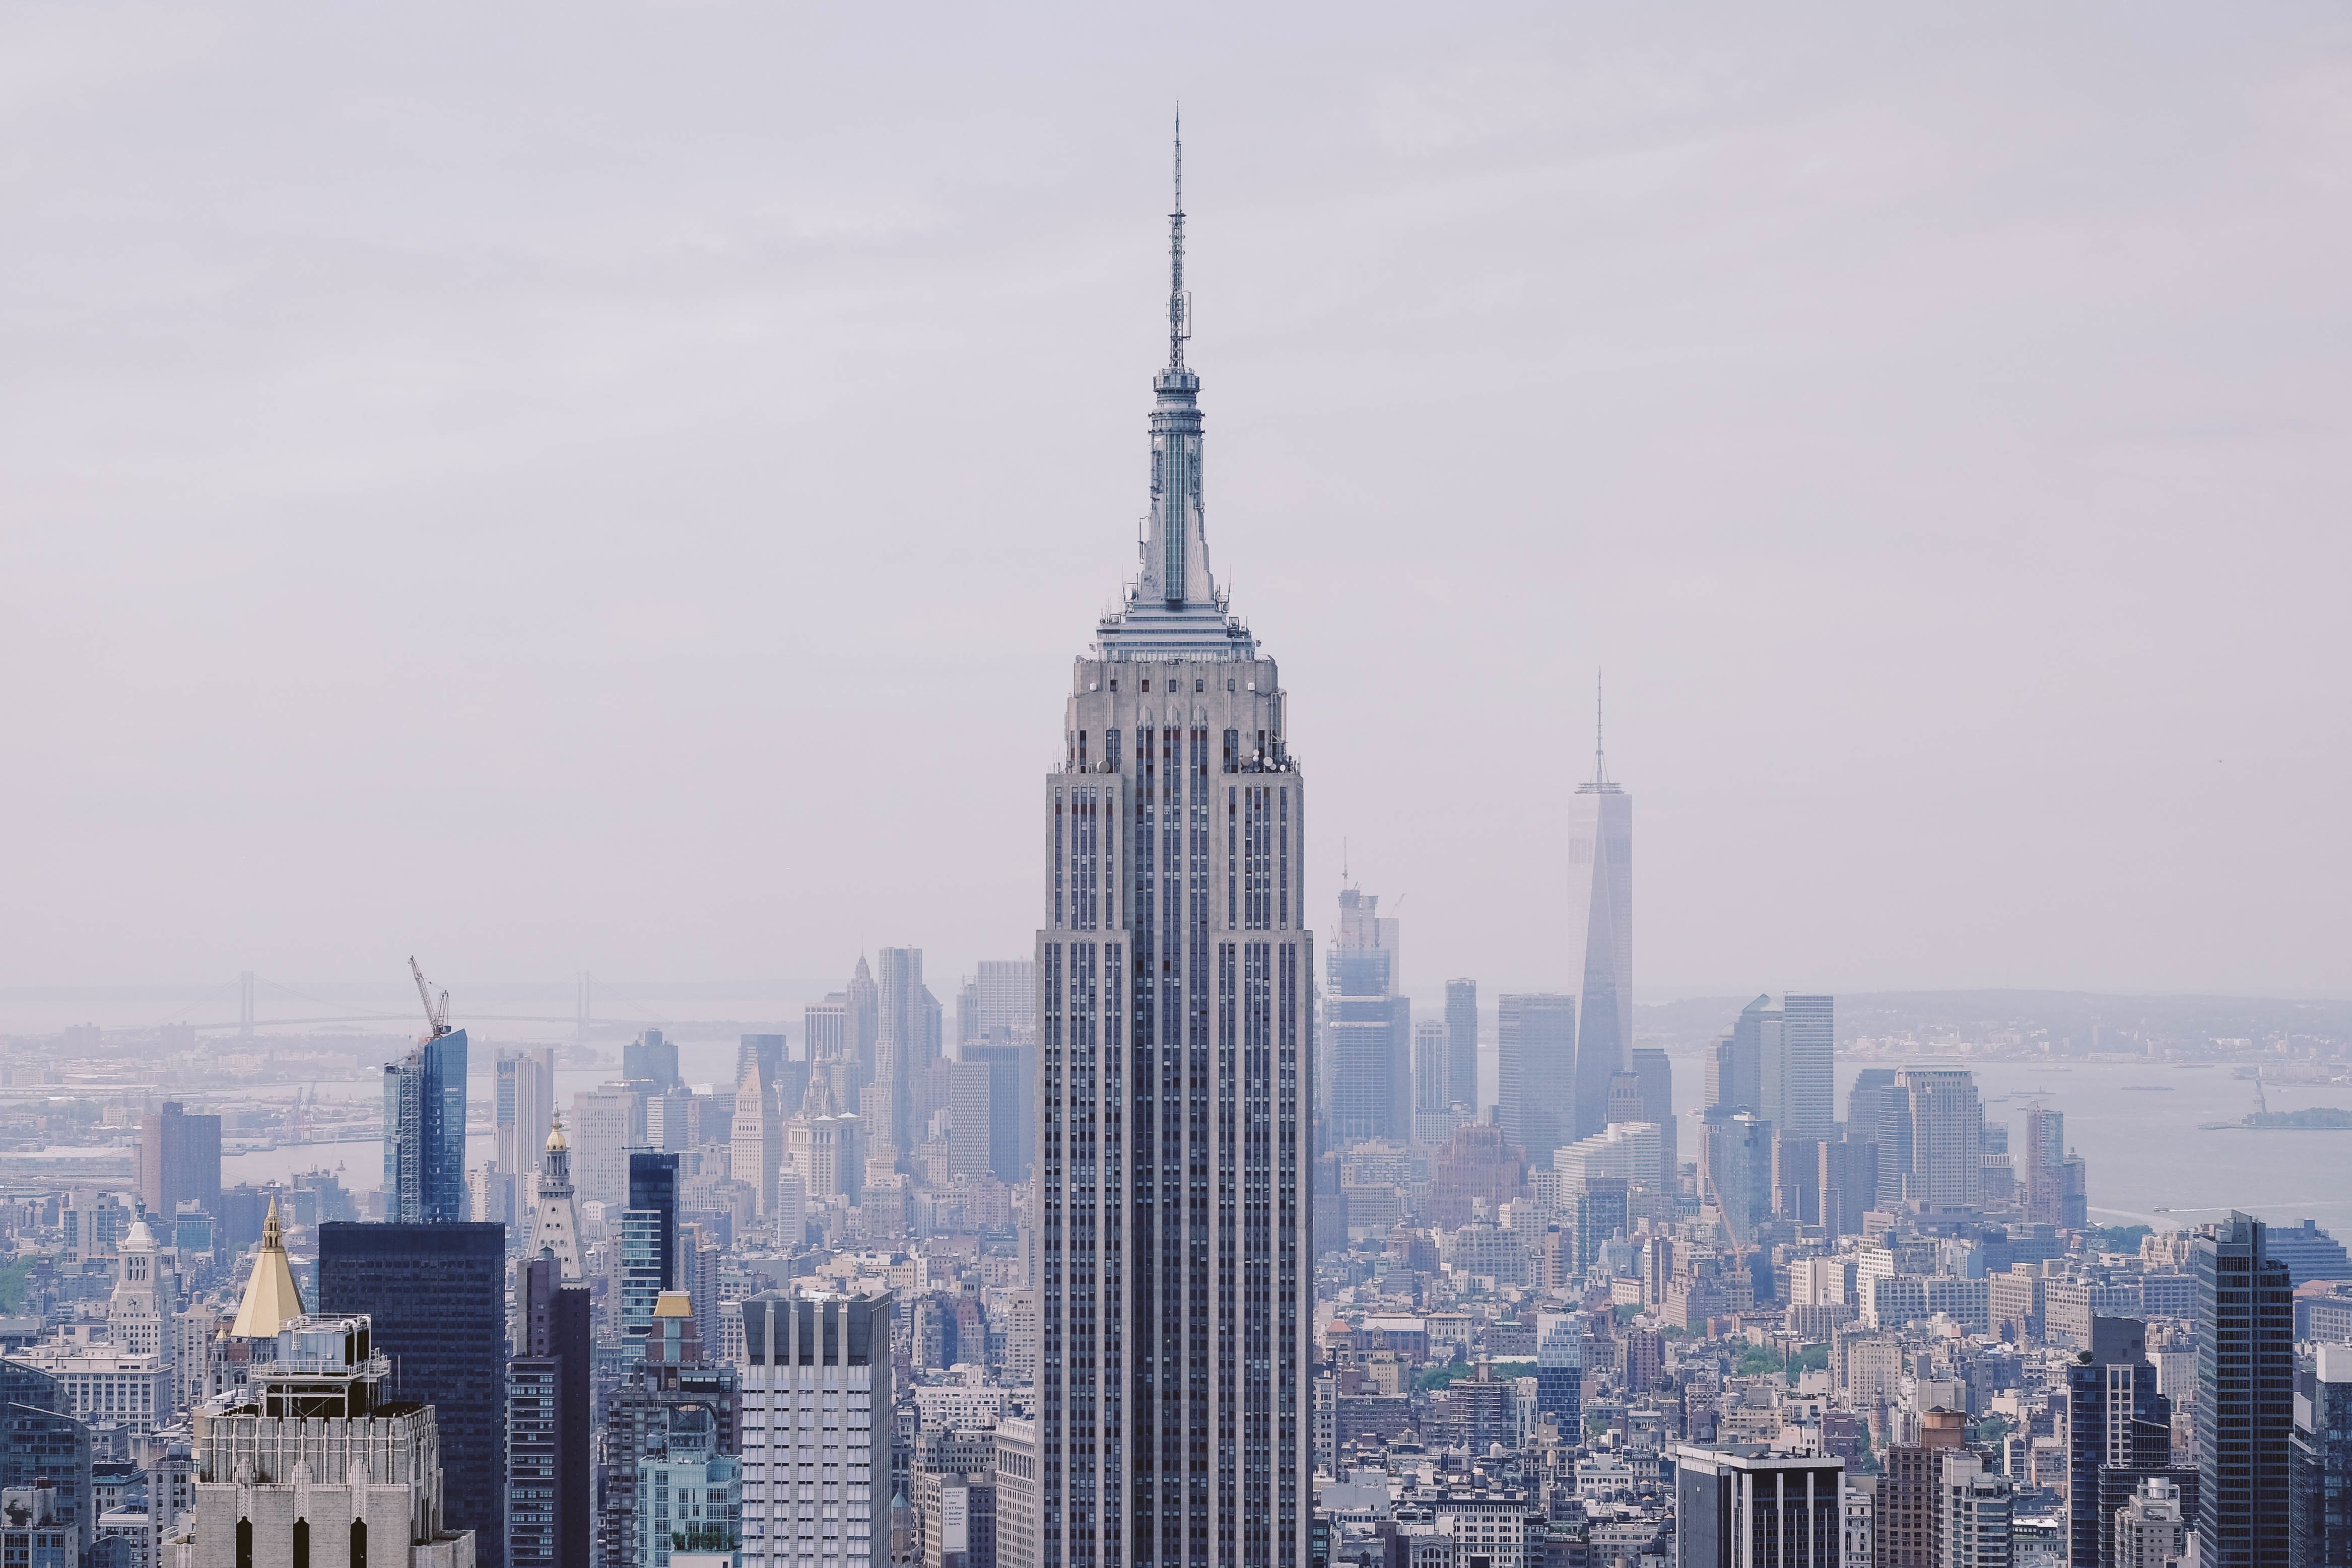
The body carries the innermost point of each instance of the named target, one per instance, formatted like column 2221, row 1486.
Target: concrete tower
column 1176, row 1075
column 1600, row 937
column 142, row 1302
column 757, row 1141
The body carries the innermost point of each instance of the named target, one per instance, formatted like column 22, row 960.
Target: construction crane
column 437, row 1015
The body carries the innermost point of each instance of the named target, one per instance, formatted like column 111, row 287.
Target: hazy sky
column 618, row 487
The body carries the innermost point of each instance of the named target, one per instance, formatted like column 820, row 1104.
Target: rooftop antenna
column 1180, row 307
column 1600, row 773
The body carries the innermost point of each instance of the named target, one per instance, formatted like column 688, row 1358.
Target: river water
column 2146, row 1151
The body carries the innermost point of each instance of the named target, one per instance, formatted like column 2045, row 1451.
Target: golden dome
column 555, row 1141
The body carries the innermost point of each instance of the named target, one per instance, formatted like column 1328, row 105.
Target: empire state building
column 1175, row 1083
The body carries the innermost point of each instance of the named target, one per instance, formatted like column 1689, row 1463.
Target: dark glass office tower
column 425, row 1133
column 648, row 1238
column 38, row 1440
column 551, row 1451
column 2245, row 1397
column 2119, row 1433
column 438, row 1294
column 2322, row 1444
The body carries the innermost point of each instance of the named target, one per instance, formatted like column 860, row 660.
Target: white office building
column 816, row 1401
column 1628, row 1151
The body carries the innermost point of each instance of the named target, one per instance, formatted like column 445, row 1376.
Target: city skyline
column 528, row 495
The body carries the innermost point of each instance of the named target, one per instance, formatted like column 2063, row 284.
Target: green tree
column 14, row 1279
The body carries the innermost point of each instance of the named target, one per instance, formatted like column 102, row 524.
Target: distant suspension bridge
column 248, row 1019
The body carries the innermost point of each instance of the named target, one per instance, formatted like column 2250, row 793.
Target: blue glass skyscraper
column 1559, row 1370
column 648, row 1239
column 39, row 1440
column 2245, row 1395
column 425, row 1133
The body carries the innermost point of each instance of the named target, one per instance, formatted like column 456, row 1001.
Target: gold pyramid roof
column 271, row 1300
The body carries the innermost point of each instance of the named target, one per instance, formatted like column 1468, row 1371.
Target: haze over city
column 554, row 494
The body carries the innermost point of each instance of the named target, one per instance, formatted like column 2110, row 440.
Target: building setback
column 312, row 1462
column 1175, row 975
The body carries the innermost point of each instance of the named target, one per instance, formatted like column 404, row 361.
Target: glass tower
column 648, row 1239
column 425, row 1133
column 438, row 1296
column 2245, row 1397
column 1176, row 1080
column 1600, row 938
column 1462, row 1044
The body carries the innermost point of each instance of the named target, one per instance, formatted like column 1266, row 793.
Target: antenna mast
column 1180, row 306
column 1600, row 773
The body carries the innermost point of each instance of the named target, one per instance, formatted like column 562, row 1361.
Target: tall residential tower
column 1176, row 1080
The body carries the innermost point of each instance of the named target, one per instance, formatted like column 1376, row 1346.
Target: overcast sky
column 618, row 487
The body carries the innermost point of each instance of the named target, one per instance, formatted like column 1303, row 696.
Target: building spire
column 271, row 1300
column 1599, row 784
column 1599, row 772
column 1180, row 306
